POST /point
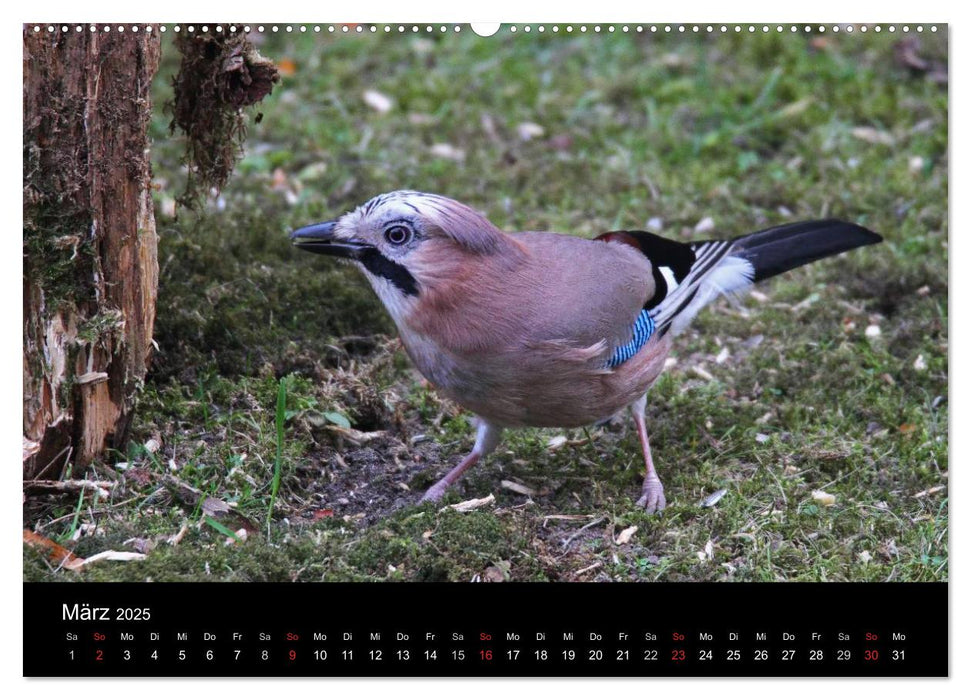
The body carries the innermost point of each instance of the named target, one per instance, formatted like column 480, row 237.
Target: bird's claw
column 435, row 493
column 652, row 496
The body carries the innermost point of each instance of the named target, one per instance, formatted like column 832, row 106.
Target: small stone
column 872, row 331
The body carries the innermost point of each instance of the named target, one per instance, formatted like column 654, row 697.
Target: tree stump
column 90, row 243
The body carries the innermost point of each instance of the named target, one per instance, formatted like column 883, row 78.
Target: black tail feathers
column 782, row 248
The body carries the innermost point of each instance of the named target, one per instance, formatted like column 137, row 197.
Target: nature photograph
column 382, row 302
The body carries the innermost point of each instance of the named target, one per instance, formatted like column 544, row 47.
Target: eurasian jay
column 544, row 329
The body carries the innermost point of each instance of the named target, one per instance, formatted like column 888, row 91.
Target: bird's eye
column 398, row 234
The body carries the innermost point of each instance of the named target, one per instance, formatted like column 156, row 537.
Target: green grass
column 748, row 130
column 281, row 419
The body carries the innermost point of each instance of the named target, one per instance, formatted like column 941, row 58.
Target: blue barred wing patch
column 643, row 330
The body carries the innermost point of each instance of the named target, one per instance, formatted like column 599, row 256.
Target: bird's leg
column 652, row 494
column 486, row 440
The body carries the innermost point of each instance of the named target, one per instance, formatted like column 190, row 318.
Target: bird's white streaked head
column 405, row 242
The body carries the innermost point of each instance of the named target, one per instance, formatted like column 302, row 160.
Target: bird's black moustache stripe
column 380, row 266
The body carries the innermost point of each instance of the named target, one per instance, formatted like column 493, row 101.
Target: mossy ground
column 785, row 395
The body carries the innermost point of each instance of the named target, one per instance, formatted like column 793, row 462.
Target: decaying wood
column 90, row 244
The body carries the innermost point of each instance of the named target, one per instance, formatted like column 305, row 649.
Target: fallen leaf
column 337, row 419
column 705, row 225
column 711, row 500
column 528, row 131
column 55, row 553
column 377, row 101
column 447, row 150
column 794, row 108
column 518, row 488
column 286, row 66
column 143, row 545
column 871, row 135
column 322, row 513
column 210, row 506
column 214, row 506
column 709, row 552
column 625, row 535
column 823, row 498
column 556, row 442
column 421, row 119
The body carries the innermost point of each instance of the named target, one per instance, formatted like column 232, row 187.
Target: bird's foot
column 435, row 493
column 652, row 495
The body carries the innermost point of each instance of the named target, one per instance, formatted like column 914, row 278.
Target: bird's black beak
column 319, row 238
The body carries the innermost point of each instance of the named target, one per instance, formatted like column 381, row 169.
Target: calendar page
column 524, row 349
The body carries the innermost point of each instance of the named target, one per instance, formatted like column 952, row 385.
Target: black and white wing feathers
column 687, row 276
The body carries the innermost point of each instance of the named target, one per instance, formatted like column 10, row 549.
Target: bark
column 90, row 243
